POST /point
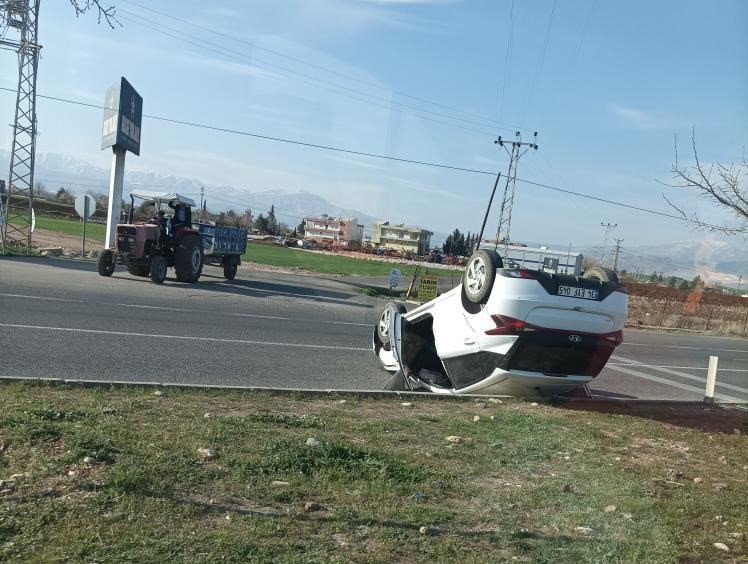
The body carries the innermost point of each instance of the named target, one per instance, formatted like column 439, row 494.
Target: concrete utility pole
column 615, row 257
column 609, row 227
column 21, row 16
column 518, row 149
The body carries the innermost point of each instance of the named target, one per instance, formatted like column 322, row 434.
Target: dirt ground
column 693, row 415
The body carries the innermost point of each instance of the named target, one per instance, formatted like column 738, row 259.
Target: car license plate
column 575, row 292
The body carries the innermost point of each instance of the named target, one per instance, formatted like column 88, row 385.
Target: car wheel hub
column 384, row 322
column 476, row 275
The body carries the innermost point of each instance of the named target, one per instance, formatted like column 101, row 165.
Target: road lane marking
column 190, row 310
column 683, row 375
column 635, row 363
column 685, row 347
column 666, row 382
column 185, row 337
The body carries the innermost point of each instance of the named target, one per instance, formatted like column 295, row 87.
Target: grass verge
column 118, row 475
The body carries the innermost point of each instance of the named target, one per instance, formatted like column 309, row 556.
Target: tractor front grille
column 125, row 239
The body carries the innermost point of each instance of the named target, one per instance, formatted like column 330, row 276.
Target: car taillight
column 616, row 337
column 521, row 273
column 509, row 326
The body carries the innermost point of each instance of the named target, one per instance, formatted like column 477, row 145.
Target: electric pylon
column 518, row 148
column 21, row 19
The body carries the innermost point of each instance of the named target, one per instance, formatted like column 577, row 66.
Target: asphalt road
column 60, row 319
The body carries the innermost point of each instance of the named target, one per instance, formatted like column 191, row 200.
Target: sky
column 608, row 86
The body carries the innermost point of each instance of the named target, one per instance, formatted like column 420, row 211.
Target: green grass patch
column 276, row 255
column 118, row 475
column 94, row 231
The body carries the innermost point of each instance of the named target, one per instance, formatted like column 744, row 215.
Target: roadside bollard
column 711, row 379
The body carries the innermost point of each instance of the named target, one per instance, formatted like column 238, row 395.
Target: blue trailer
column 223, row 246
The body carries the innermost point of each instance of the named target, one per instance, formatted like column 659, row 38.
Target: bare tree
column 719, row 184
column 109, row 14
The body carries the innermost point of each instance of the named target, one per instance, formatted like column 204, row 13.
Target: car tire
column 158, row 269
column 383, row 322
column 397, row 383
column 105, row 262
column 230, row 265
column 602, row 274
column 479, row 276
column 188, row 258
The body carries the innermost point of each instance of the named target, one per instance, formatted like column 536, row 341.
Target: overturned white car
column 504, row 331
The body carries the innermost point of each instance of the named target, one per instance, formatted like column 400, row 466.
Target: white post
column 711, row 379
column 116, row 180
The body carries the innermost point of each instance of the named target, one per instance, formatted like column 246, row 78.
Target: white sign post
column 85, row 205
column 116, row 181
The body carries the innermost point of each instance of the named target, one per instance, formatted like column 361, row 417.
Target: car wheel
column 479, row 276
column 105, row 262
column 158, row 269
column 601, row 274
column 383, row 323
column 397, row 383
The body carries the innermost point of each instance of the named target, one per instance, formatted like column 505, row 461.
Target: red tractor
column 148, row 248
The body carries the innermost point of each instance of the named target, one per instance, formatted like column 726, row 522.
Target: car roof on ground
column 168, row 197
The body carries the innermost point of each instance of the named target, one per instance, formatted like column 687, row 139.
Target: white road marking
column 189, row 310
column 185, row 338
column 704, row 368
column 625, row 344
column 632, row 362
column 678, row 385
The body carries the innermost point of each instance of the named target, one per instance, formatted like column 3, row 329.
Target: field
column 129, row 475
column 697, row 310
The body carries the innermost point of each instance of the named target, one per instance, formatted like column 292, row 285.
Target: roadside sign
column 85, row 205
column 123, row 114
column 427, row 287
column 394, row 278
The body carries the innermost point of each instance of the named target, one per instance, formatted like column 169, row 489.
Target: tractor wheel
column 138, row 269
column 158, row 269
column 230, row 265
column 188, row 258
column 106, row 262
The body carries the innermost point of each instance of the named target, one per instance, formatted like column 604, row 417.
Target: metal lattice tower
column 518, row 148
column 20, row 18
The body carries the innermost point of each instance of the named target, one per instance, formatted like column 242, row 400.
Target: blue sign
column 123, row 114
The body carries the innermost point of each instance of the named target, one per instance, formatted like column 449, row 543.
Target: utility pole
column 609, row 227
column 518, row 149
column 22, row 16
column 615, row 257
column 202, row 192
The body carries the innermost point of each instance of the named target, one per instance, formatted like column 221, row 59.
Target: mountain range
column 711, row 258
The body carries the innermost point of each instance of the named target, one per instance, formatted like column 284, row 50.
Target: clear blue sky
column 606, row 85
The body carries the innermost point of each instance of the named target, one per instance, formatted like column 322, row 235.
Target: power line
column 541, row 61
column 313, row 65
column 391, row 158
column 351, row 93
column 507, row 59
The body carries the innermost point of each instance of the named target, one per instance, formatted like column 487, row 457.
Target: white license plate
column 575, row 292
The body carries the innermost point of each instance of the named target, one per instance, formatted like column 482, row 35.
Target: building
column 401, row 238
column 542, row 258
column 329, row 231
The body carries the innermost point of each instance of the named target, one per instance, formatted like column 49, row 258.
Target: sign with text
column 427, row 287
column 123, row 114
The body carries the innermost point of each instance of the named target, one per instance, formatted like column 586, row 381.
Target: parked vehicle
column 149, row 248
column 504, row 331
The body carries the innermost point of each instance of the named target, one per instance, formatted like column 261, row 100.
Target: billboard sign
column 123, row 114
